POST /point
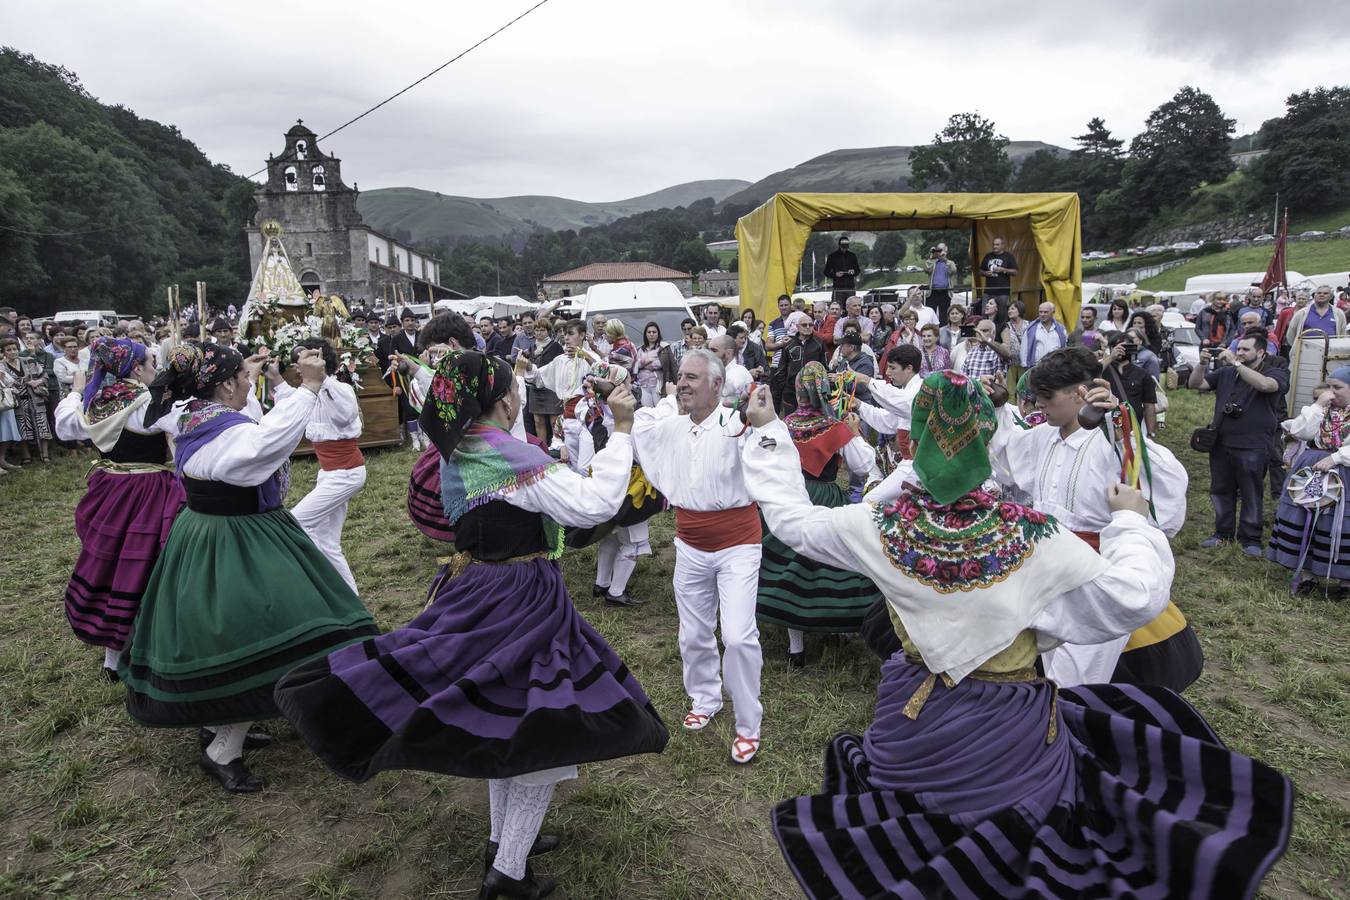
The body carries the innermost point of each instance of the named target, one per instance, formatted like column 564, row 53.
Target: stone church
column 329, row 246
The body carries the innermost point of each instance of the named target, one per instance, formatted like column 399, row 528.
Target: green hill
column 426, row 217
column 864, row 169
column 103, row 208
column 1307, row 257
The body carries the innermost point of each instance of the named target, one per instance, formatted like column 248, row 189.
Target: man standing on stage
column 998, row 266
column 690, row 449
column 842, row 268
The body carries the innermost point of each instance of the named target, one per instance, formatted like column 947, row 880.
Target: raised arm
column 577, row 500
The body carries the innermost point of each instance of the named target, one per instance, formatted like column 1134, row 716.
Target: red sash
column 570, row 408
column 336, row 455
column 718, row 529
column 1093, row 538
column 903, row 446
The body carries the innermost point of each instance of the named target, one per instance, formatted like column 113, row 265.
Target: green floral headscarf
column 952, row 425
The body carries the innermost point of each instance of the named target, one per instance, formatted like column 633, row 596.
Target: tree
column 693, row 256
column 966, row 155
column 1184, row 144
column 1309, row 158
column 1098, row 141
column 888, row 249
column 1044, row 170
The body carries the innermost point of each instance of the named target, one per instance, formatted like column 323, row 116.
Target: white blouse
column 248, row 454
column 697, row 466
column 337, row 416
column 1063, row 591
column 1307, row 426
column 570, row 498
column 1068, row 477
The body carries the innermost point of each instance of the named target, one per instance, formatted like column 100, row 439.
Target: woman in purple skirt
column 134, row 495
column 978, row 777
column 499, row 677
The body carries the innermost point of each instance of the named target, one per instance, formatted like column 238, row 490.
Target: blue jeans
column 1238, row 474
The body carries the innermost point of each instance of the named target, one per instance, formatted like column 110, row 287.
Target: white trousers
column 572, row 434
column 707, row 584
column 323, row 511
column 616, row 557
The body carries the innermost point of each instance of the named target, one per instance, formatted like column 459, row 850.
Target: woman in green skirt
column 794, row 591
column 240, row 595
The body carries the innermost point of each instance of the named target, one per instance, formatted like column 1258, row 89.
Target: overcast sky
column 607, row 99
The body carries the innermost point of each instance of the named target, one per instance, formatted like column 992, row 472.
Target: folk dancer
column 689, row 446
column 240, row 594
column 795, row 591
column 566, row 376
column 333, row 429
column 977, row 776
column 499, row 677
column 1065, row 470
column 124, row 517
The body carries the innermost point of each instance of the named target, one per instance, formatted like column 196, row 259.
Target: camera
column 1233, row 410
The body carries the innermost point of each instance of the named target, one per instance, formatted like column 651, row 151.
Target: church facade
column 330, row 247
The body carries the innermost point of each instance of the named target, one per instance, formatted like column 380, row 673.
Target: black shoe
column 797, row 660
column 531, row 887
column 254, row 740
column 233, row 776
column 110, row 675
column 544, row 843
column 598, row 591
column 622, row 600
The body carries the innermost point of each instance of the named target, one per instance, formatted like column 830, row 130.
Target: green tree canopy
column 966, row 155
column 1309, row 158
column 888, row 249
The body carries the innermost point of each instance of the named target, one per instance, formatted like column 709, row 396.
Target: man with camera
column 942, row 275
column 1130, row 383
column 1249, row 388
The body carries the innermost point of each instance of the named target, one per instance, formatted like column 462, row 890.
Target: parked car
column 635, row 303
column 1185, row 343
column 1156, row 248
column 1312, row 235
column 1186, row 245
column 913, row 268
column 90, row 318
column 1263, row 239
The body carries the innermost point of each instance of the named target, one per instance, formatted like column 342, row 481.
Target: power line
column 351, row 121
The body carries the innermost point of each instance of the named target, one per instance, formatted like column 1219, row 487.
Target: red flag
column 1275, row 276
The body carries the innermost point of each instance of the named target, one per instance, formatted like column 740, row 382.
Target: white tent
column 509, row 305
column 1233, row 282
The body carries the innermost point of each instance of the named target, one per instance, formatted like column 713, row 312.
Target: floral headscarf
column 110, row 360
column 191, row 371
column 466, row 385
column 953, row 422
column 815, row 412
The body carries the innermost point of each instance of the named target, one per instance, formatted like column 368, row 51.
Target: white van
column 635, row 303
column 90, row 318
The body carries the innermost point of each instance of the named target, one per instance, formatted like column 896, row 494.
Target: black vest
column 497, row 530
column 139, row 448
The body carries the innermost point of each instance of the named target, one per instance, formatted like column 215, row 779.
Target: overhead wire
column 351, row 121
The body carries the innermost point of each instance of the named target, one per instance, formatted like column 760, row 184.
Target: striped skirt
column 122, row 521
column 798, row 592
column 424, row 497
column 499, row 676
column 1295, row 531
column 1135, row 796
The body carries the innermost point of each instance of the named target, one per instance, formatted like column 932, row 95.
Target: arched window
column 320, row 183
column 291, row 183
column 309, row 281
column 300, row 149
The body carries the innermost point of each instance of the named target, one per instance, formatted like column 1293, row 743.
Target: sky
column 602, row 100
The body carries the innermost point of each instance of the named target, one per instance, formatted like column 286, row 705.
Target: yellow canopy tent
column 1042, row 231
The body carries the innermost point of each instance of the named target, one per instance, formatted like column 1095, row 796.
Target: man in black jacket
column 396, row 374
column 803, row 347
column 748, row 353
column 841, row 267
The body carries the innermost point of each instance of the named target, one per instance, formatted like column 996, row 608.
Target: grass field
column 92, row 805
column 1307, row 257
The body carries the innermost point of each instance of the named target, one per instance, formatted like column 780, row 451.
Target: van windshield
column 668, row 320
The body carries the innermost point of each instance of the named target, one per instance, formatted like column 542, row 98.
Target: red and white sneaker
column 697, row 721
column 743, row 749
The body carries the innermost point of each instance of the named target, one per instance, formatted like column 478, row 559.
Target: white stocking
column 496, row 806
column 229, row 743
column 111, row 658
column 526, row 805
column 796, row 641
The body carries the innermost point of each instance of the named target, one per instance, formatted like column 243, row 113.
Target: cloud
column 605, row 99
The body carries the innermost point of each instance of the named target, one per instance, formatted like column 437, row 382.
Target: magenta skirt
column 122, row 522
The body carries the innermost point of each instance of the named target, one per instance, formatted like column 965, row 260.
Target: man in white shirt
column 892, row 412
column 690, row 449
column 737, row 378
column 853, row 310
column 597, row 338
column 914, row 300
column 712, row 320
